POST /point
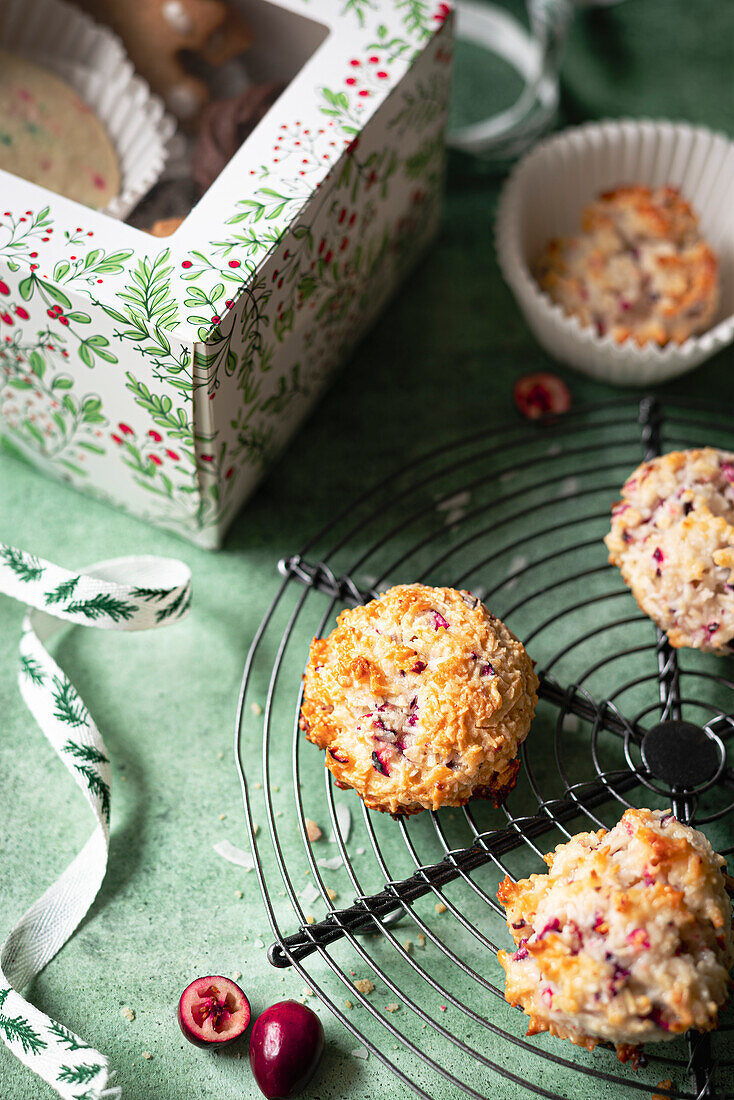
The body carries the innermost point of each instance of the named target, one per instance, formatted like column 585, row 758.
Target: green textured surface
column 440, row 363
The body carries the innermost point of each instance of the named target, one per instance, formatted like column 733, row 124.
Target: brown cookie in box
column 157, row 32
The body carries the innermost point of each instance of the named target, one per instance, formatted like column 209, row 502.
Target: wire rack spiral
column 517, row 515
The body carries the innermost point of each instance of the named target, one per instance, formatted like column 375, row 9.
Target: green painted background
column 441, row 362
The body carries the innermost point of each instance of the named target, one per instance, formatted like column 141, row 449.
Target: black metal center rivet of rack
column 674, row 757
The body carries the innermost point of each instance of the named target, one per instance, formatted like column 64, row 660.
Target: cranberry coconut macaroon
column 638, row 270
column 627, row 939
column 672, row 537
column 421, row 699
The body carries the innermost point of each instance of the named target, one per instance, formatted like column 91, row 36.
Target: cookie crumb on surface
column 421, row 940
column 310, row 919
column 127, row 1014
column 364, row 985
column 147, row 1055
column 348, row 1004
column 237, row 975
column 408, row 945
column 394, row 1007
column 238, row 894
column 256, row 708
column 440, row 907
column 313, row 832
column 332, row 893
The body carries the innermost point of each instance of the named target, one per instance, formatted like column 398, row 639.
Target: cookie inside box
column 134, row 109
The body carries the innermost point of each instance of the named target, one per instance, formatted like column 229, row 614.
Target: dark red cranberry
column 286, row 1046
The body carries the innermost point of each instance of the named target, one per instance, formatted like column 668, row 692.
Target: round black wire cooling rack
column 516, row 514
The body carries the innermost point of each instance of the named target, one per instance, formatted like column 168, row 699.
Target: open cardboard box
column 164, row 376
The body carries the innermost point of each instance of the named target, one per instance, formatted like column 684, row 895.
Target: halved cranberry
column 213, row 1012
column 538, row 394
column 286, row 1045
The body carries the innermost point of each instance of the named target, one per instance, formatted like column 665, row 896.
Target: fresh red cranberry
column 536, row 395
column 4, row 288
column 213, row 1012
column 286, row 1046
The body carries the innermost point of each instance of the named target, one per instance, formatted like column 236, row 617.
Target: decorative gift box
column 164, row 376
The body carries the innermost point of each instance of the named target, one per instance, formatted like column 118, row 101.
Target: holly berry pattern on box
column 166, row 378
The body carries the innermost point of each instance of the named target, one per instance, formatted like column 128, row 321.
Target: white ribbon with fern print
column 134, row 593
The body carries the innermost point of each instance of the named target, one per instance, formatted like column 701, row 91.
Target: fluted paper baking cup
column 544, row 197
column 93, row 61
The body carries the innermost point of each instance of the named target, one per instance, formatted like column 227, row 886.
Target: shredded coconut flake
column 344, row 823
column 332, row 864
column 309, row 894
column 232, row 854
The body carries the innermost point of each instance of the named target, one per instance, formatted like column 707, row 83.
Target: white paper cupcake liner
column 93, row 61
column 544, row 197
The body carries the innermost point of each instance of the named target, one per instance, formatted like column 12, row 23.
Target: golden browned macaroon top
column 638, row 269
column 420, row 698
column 627, row 938
column 672, row 537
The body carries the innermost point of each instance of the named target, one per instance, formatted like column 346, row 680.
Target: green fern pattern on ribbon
column 25, row 566
column 62, row 592
column 68, row 1064
column 87, row 753
column 79, row 1075
column 97, row 786
column 176, row 607
column 102, row 605
column 150, row 595
column 31, row 668
column 66, row 1038
column 68, row 706
column 16, row 1029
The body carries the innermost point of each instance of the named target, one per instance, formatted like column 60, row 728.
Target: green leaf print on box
column 148, row 311
column 40, row 409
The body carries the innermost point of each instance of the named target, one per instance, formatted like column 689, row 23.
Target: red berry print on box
column 209, row 353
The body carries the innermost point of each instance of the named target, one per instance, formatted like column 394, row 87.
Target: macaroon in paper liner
column 544, row 197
